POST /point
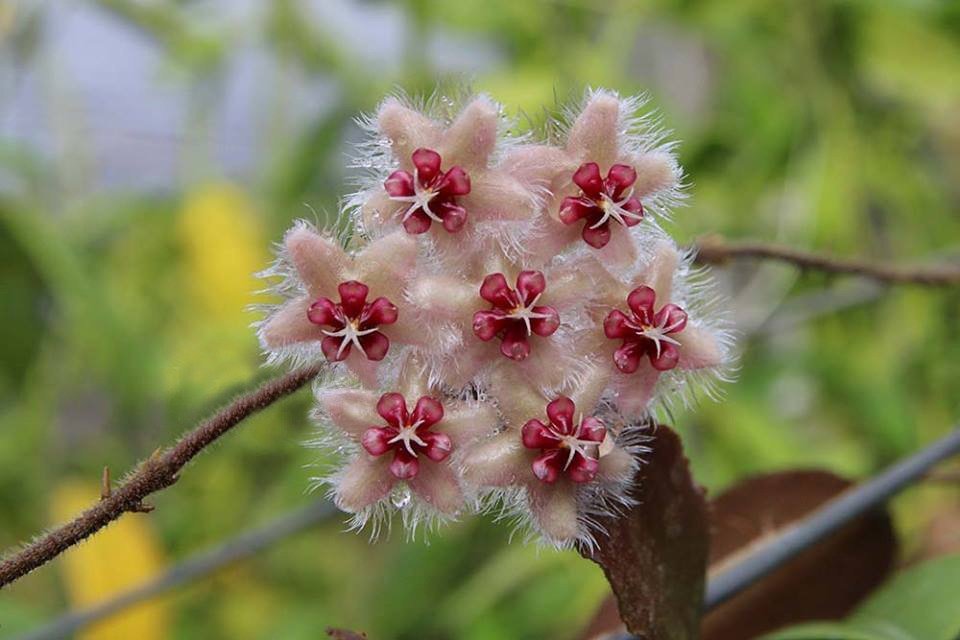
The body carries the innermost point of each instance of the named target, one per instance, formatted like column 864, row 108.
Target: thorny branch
column 714, row 249
column 156, row 473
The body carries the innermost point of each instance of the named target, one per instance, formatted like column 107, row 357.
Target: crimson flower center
column 353, row 323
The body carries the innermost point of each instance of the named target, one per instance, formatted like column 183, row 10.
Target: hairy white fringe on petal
column 694, row 289
column 594, row 500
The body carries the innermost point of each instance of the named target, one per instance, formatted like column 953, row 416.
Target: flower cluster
column 506, row 318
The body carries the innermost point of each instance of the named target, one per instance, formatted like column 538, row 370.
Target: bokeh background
column 151, row 152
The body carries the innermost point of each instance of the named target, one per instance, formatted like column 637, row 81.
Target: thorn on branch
column 105, row 489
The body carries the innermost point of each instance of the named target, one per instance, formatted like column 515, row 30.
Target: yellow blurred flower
column 223, row 246
column 117, row 558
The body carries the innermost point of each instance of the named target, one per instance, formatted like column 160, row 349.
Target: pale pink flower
column 611, row 168
column 439, row 179
column 408, row 439
column 557, row 463
column 644, row 330
column 344, row 308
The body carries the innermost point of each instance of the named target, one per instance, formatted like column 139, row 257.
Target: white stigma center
column 419, row 200
column 408, row 435
column 526, row 313
column 614, row 209
column 350, row 334
column 574, row 444
column 659, row 332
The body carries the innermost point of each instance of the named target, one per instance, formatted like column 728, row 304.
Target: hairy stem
column 717, row 250
column 156, row 473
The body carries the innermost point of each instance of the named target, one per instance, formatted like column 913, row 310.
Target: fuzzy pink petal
column 617, row 466
column 406, row 129
column 473, row 135
column 437, row 485
column 551, row 237
column 633, row 392
column 656, row 171
column 498, row 196
column 516, row 396
column 447, row 298
column 660, row 270
column 595, row 133
column 363, row 482
column 466, row 361
column 621, row 250
column 554, row 508
column 319, row 261
column 698, row 348
column 539, row 164
column 353, row 411
column 592, row 379
column 386, row 264
column 408, row 329
column 290, row 325
column 467, row 422
column 497, row 462
column 364, row 369
column 550, row 363
column 379, row 210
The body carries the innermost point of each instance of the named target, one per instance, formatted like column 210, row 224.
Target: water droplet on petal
column 400, row 497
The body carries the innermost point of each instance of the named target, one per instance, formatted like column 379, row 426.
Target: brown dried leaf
column 823, row 583
column 655, row 555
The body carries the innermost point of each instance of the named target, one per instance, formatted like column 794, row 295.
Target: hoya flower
column 602, row 201
column 402, row 446
column 430, row 192
column 556, row 464
column 438, row 177
column 495, row 325
column 569, row 445
column 344, row 308
column 515, row 315
column 611, row 168
column 644, row 330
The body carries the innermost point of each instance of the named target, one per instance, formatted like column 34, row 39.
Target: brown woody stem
column 156, row 473
column 717, row 250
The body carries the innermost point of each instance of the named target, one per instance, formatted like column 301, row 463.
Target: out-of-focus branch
column 715, row 249
column 156, row 473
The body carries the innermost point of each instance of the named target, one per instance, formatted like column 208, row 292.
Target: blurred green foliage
column 827, row 124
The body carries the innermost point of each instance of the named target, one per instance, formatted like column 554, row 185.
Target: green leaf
column 922, row 601
column 837, row 631
column 918, row 604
